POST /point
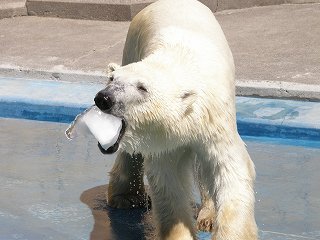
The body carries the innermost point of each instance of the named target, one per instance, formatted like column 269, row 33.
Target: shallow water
column 52, row 188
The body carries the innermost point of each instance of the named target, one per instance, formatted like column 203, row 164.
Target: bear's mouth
column 115, row 146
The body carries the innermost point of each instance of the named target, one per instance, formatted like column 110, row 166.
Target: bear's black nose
column 104, row 101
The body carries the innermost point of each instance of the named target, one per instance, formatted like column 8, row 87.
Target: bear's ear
column 112, row 67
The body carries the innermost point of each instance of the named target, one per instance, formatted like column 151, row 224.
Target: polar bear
column 175, row 94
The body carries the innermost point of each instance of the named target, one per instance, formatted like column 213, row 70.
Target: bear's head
column 156, row 103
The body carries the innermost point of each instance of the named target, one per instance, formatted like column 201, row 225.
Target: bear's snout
column 104, row 100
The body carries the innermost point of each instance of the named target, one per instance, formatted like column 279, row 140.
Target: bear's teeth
column 104, row 127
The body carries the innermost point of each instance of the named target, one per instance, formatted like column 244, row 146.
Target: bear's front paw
column 205, row 220
column 126, row 201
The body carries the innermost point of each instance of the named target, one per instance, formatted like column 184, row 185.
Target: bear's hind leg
column 235, row 221
column 126, row 187
column 234, row 196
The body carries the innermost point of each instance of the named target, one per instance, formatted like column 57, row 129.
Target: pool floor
column 52, row 188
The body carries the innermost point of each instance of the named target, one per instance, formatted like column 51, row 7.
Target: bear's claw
column 205, row 220
column 205, row 225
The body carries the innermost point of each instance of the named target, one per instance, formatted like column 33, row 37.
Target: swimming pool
column 54, row 189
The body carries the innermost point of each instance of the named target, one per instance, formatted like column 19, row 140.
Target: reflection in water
column 116, row 224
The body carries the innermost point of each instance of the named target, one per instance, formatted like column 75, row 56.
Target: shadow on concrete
column 116, row 224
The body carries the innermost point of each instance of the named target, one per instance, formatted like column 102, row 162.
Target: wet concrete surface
column 52, row 188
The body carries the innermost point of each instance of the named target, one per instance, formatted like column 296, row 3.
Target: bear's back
column 181, row 22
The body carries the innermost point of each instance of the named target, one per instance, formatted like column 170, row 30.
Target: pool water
column 52, row 188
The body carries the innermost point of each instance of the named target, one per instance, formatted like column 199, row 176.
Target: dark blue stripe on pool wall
column 66, row 114
column 277, row 131
column 48, row 113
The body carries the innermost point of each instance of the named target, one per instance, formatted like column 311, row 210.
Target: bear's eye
column 111, row 78
column 141, row 87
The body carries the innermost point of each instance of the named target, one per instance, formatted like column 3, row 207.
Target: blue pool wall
column 56, row 101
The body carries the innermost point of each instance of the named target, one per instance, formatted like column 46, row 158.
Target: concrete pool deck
column 275, row 48
column 52, row 188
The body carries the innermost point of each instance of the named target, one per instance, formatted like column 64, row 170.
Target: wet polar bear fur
column 175, row 90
